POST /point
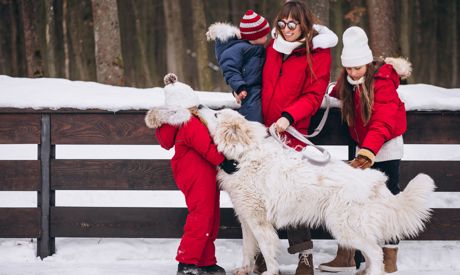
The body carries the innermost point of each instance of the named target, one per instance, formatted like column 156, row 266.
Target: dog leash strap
column 325, row 115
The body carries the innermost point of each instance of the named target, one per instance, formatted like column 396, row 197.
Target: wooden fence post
column 45, row 244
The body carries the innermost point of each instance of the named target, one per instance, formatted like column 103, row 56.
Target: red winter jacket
column 195, row 153
column 388, row 118
column 289, row 86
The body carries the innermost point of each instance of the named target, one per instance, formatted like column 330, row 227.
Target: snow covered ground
column 105, row 256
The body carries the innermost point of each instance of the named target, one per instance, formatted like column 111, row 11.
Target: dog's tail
column 412, row 209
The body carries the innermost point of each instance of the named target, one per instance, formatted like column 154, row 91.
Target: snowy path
column 156, row 257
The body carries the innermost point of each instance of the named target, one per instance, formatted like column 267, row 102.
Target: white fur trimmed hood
column 170, row 115
column 222, row 31
column 401, row 65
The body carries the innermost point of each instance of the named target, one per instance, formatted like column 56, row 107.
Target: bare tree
column 50, row 35
column 175, row 50
column 320, row 9
column 201, row 47
column 34, row 55
column 109, row 61
column 383, row 38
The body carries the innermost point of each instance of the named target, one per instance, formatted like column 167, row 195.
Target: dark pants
column 299, row 239
column 391, row 169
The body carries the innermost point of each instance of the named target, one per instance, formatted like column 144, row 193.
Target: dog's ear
column 235, row 131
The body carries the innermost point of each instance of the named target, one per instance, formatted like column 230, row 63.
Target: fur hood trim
column 401, row 65
column 161, row 115
column 222, row 31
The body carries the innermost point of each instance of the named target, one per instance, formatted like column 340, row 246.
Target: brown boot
column 389, row 259
column 259, row 266
column 305, row 266
column 344, row 261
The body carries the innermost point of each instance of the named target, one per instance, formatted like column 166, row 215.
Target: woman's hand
column 281, row 124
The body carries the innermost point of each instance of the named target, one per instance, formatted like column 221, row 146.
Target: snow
column 54, row 93
column 101, row 256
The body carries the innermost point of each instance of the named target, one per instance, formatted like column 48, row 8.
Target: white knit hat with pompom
column 178, row 94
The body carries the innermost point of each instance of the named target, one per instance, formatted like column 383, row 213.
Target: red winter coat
column 388, row 118
column 289, row 86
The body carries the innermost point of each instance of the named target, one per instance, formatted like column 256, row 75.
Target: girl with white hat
column 178, row 125
column 376, row 119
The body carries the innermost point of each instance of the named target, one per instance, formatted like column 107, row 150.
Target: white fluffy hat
column 178, row 94
column 356, row 51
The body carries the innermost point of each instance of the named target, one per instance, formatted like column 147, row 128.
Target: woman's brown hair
column 346, row 92
column 299, row 11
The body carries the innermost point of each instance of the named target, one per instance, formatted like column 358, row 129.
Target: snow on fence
column 48, row 128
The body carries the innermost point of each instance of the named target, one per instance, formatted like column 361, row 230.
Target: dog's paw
column 270, row 273
column 244, row 270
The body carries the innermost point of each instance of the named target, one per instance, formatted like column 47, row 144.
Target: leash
column 325, row 156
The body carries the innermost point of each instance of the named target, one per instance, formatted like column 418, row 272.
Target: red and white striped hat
column 253, row 26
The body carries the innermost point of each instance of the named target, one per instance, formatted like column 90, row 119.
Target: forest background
column 136, row 42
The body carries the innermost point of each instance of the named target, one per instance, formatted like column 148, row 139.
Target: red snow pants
column 202, row 224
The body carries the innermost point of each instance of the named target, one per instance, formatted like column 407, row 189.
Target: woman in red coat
column 295, row 77
column 194, row 169
column 376, row 120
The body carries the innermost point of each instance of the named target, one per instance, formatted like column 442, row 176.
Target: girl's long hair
column 299, row 11
column 366, row 96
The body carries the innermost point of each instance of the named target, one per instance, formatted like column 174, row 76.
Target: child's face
column 260, row 41
column 356, row 72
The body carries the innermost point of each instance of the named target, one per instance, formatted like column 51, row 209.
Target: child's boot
column 212, row 270
column 187, row 269
column 390, row 259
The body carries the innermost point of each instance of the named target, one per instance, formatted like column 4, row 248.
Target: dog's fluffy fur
column 276, row 188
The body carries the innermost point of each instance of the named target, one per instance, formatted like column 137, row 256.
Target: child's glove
column 229, row 166
column 364, row 159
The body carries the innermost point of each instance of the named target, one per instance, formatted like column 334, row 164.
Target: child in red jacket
column 194, row 169
column 376, row 119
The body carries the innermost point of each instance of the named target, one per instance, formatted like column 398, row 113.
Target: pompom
column 170, row 78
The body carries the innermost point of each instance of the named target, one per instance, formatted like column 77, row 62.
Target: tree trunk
column 455, row 45
column 14, row 39
column 34, row 55
column 50, row 38
column 406, row 29
column 320, row 9
column 201, row 46
column 65, row 39
column 82, row 63
column 140, row 37
column 107, row 42
column 383, row 37
column 175, row 50
column 338, row 26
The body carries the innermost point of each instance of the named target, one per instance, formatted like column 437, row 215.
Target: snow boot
column 187, row 269
column 212, row 270
column 305, row 265
column 259, row 265
column 343, row 261
column 390, row 259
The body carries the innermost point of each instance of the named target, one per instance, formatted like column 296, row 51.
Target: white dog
column 275, row 188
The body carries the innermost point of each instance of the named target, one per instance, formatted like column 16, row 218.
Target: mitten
column 229, row 166
column 364, row 159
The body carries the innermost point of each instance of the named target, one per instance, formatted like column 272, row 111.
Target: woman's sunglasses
column 291, row 24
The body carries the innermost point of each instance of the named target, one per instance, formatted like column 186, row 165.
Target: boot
column 389, row 259
column 259, row 265
column 305, row 266
column 212, row 270
column 187, row 269
column 344, row 261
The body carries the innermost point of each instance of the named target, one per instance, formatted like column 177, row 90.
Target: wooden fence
column 48, row 128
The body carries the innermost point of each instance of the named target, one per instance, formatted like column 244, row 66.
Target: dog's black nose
column 200, row 106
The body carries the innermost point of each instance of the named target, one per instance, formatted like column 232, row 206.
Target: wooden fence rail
column 48, row 128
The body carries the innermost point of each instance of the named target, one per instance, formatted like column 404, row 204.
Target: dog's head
column 232, row 133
